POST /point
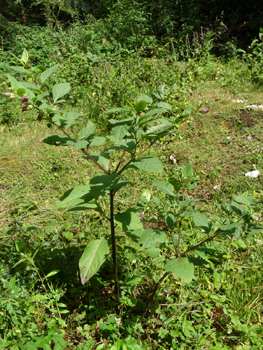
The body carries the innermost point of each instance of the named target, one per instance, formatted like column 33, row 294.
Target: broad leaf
column 242, row 200
column 201, row 220
column 120, row 131
column 91, row 205
column 187, row 171
column 181, row 268
column 151, row 237
column 155, row 111
column 129, row 220
column 120, row 185
column 92, row 258
column 57, row 140
column 16, row 84
column 159, row 130
column 165, row 187
column 170, row 220
column 103, row 159
column 145, row 98
column 103, row 183
column 60, row 90
column 164, row 105
column 20, row 70
column 87, row 131
column 140, row 106
column 75, row 196
column 96, row 141
column 149, row 164
column 47, row 73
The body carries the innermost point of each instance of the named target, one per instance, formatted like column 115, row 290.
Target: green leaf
column 120, row 185
column 25, row 57
column 57, row 140
column 242, row 200
column 145, row 98
column 165, row 187
column 103, row 159
column 59, row 90
column 96, row 141
column 66, row 119
column 151, row 237
column 91, row 205
column 140, row 106
column 164, row 105
column 87, row 131
column 75, row 196
column 187, row 171
column 201, row 220
column 103, row 183
column 153, row 252
column 120, row 131
column 47, row 73
column 92, row 258
column 159, row 130
column 20, row 70
column 149, row 164
column 155, row 111
column 170, row 220
column 52, row 273
column 68, row 235
column 16, row 84
column 129, row 220
column 181, row 268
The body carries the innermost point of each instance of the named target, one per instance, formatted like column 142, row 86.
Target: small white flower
column 228, row 137
column 216, row 187
column 238, row 101
column 253, row 173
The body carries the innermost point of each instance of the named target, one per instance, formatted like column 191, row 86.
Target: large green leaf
column 60, row 90
column 57, row 140
column 151, row 237
column 47, row 73
column 129, row 220
column 91, row 205
column 16, row 84
column 201, row 220
column 103, row 159
column 159, row 130
column 181, row 268
column 120, row 131
column 92, row 258
column 66, row 119
column 165, row 187
column 87, row 131
column 140, row 106
column 75, row 196
column 96, row 141
column 102, row 183
column 242, row 200
column 149, row 164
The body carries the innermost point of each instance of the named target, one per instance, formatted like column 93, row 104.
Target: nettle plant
column 126, row 150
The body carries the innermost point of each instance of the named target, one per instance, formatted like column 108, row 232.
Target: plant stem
column 153, row 294
column 113, row 243
column 179, row 239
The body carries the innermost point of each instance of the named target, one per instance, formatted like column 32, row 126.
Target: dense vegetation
column 130, row 163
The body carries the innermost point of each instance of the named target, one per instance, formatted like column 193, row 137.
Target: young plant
column 131, row 139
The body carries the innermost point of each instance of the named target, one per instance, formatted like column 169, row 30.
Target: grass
column 220, row 309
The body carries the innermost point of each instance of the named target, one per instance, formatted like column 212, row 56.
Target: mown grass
column 221, row 308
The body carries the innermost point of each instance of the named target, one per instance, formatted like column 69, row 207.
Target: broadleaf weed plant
column 142, row 126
